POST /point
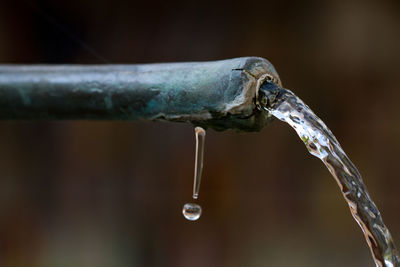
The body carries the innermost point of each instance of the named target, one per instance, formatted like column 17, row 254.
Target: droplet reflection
column 191, row 211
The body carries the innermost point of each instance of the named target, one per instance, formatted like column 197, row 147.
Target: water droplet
column 191, row 211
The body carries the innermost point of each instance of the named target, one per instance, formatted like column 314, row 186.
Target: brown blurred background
column 111, row 193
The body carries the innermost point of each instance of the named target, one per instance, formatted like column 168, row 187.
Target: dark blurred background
column 110, row 193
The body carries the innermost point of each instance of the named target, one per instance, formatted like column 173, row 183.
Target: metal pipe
column 217, row 94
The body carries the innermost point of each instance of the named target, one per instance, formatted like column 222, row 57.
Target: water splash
column 321, row 143
column 192, row 211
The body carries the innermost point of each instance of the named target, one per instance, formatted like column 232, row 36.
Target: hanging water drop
column 198, row 162
column 191, row 211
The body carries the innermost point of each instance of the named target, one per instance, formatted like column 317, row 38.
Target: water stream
column 321, row 143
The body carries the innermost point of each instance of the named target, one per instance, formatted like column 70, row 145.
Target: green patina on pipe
column 218, row 94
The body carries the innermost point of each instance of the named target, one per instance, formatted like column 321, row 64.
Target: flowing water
column 320, row 142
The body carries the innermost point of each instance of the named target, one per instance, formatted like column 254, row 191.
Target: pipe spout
column 218, row 94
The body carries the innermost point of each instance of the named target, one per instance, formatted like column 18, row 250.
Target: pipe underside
column 217, row 94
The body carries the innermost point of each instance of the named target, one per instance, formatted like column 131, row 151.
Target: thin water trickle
column 192, row 211
column 198, row 163
column 321, row 143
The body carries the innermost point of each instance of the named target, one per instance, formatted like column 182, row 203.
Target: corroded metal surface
column 217, row 94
